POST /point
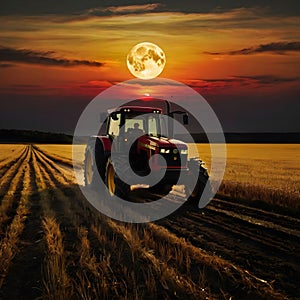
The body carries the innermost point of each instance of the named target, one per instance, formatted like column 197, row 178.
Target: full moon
column 146, row 60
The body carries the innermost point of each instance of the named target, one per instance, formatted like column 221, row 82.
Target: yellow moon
column 146, row 60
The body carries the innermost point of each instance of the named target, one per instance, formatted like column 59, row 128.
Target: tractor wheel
column 114, row 184
column 94, row 164
column 199, row 174
column 161, row 188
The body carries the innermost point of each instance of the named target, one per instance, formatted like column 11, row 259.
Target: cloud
column 268, row 79
column 110, row 11
column 35, row 7
column 277, row 48
column 11, row 55
column 124, row 10
column 229, row 83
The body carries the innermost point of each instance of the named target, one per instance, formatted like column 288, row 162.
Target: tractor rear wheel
column 114, row 184
column 94, row 164
column 197, row 173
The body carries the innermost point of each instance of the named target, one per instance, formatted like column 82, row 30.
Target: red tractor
column 141, row 131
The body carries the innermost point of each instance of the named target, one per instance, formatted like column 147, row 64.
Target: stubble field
column 54, row 245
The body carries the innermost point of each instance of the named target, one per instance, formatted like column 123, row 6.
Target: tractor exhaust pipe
column 185, row 118
column 170, row 120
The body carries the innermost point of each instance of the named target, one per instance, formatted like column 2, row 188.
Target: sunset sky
column 242, row 56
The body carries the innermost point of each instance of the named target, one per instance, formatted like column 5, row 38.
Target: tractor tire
column 199, row 174
column 114, row 184
column 161, row 188
column 94, row 164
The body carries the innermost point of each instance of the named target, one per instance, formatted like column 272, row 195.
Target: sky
column 243, row 57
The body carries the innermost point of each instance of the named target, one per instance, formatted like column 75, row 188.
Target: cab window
column 152, row 126
column 114, row 125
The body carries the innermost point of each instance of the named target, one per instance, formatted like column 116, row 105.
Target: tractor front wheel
column 197, row 173
column 110, row 178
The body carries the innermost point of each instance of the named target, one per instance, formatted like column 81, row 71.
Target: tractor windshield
column 143, row 123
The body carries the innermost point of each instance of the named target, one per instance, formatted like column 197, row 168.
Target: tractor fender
column 104, row 141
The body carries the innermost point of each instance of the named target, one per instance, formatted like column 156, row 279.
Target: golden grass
column 8, row 158
column 134, row 270
column 57, row 283
column 92, row 281
column 9, row 150
column 266, row 172
column 9, row 244
column 64, row 152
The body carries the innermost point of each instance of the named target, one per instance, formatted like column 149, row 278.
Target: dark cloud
column 124, row 10
column 152, row 82
column 263, row 79
column 11, row 55
column 268, row 79
column 103, row 11
column 69, row 8
column 212, row 85
column 278, row 48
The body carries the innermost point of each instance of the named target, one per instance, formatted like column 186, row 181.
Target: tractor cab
column 127, row 124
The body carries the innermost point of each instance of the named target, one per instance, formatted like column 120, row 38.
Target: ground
column 54, row 245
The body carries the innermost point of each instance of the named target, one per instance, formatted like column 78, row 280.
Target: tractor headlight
column 164, row 150
column 184, row 151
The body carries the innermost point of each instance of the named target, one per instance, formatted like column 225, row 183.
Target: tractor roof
column 133, row 108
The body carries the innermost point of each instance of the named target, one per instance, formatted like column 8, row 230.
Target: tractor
column 136, row 133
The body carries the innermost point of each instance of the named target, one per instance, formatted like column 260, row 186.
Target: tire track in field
column 32, row 249
column 56, row 211
column 24, row 279
column 54, row 180
column 44, row 158
column 270, row 254
column 11, row 243
column 58, row 206
column 6, row 163
column 274, row 218
column 10, row 171
column 13, row 184
column 274, row 237
column 73, row 218
column 55, row 158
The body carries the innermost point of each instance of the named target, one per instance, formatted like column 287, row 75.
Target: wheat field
column 54, row 245
column 265, row 172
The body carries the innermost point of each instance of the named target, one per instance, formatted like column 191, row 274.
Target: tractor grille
column 173, row 160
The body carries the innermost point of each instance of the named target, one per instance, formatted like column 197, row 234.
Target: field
column 261, row 172
column 54, row 245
